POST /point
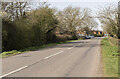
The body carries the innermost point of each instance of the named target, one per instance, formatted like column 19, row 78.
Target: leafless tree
column 16, row 9
column 109, row 18
column 71, row 18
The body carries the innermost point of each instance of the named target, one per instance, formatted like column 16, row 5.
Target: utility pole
column 118, row 38
column 0, row 30
column 118, row 27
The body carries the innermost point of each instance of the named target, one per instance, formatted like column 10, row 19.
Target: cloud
column 63, row 0
column 83, row 0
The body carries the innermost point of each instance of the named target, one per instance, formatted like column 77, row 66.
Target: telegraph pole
column 118, row 38
column 0, row 29
column 118, row 35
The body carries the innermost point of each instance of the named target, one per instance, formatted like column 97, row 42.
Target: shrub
column 36, row 29
column 98, row 35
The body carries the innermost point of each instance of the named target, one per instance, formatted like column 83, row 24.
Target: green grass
column 15, row 52
column 113, row 41
column 109, row 58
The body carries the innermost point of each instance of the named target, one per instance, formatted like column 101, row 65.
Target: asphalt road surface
column 80, row 58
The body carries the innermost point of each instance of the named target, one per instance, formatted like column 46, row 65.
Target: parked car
column 91, row 36
column 80, row 35
column 87, row 37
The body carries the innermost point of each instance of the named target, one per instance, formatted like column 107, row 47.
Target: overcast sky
column 92, row 4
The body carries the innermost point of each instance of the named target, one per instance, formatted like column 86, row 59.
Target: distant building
column 98, row 32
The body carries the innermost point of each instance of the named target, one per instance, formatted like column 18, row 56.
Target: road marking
column 27, row 66
column 79, row 44
column 53, row 55
column 71, row 47
column 14, row 71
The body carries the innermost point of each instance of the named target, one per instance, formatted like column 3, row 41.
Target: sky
column 83, row 0
column 94, row 5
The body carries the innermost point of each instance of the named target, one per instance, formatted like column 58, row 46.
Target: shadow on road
column 78, row 44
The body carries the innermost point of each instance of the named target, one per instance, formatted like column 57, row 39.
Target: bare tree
column 71, row 19
column 109, row 18
column 14, row 9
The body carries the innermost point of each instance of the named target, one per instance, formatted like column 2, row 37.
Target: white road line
column 71, row 47
column 53, row 55
column 79, row 44
column 14, row 71
column 27, row 66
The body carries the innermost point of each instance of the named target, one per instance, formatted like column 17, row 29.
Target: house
column 98, row 32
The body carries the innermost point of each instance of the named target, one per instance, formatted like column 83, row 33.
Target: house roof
column 96, row 31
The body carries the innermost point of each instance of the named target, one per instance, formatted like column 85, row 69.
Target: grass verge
column 109, row 59
column 16, row 52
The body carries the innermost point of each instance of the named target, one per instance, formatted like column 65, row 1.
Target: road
column 80, row 58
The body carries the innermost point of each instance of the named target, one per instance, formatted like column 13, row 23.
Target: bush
column 8, row 35
column 36, row 29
